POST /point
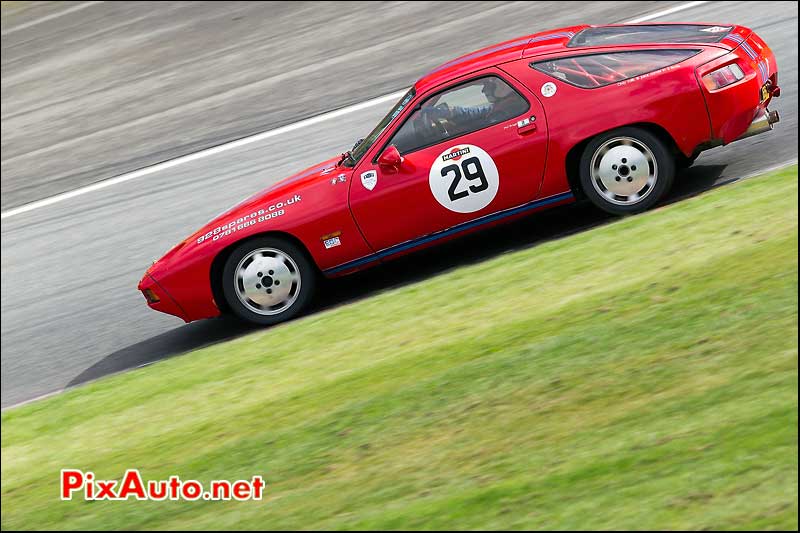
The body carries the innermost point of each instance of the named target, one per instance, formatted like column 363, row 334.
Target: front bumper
column 159, row 299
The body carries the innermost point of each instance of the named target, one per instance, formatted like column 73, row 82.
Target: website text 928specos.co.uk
column 85, row 485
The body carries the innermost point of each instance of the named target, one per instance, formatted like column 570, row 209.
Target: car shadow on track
column 528, row 232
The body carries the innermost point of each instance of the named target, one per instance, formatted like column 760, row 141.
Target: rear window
column 649, row 33
column 598, row 70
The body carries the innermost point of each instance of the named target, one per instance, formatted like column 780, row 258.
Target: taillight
column 722, row 77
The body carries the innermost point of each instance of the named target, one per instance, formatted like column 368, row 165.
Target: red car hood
column 294, row 183
column 297, row 181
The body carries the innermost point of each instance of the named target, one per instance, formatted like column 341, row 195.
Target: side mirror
column 390, row 160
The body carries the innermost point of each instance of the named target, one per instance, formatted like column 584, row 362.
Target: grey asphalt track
column 70, row 309
column 121, row 85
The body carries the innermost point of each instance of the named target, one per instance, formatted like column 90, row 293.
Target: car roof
column 496, row 54
column 553, row 41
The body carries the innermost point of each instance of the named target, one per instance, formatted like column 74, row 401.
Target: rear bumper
column 159, row 299
column 739, row 110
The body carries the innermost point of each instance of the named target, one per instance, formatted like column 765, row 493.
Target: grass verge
column 639, row 375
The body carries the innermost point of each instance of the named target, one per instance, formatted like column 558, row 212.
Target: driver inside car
column 437, row 120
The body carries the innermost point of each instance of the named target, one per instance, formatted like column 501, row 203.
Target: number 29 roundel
column 464, row 178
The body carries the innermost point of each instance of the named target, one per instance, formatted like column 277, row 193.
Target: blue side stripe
column 749, row 51
column 448, row 232
column 739, row 40
column 763, row 70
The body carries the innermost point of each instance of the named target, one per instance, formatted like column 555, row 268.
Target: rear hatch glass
column 649, row 33
column 598, row 70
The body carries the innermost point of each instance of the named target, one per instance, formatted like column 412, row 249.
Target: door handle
column 527, row 125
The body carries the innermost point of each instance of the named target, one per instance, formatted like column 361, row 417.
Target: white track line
column 199, row 155
column 122, row 178
column 72, row 9
column 32, row 400
column 769, row 169
column 665, row 12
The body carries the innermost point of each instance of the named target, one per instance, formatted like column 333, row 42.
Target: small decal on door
column 369, row 179
column 464, row 178
column 453, row 155
column 332, row 242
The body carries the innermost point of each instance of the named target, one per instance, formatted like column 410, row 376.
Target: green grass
column 639, row 375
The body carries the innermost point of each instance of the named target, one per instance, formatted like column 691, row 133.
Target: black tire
column 682, row 162
column 305, row 281
column 600, row 187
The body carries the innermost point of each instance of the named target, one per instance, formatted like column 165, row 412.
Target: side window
column 462, row 109
column 598, row 70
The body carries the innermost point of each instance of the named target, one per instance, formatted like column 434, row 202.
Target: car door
column 462, row 152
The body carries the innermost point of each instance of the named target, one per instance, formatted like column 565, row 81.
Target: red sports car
column 604, row 113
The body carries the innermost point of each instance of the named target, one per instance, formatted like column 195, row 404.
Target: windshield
column 361, row 148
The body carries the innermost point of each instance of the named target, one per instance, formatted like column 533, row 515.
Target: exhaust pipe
column 762, row 123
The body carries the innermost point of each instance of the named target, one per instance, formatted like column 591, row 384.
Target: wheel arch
column 573, row 158
column 218, row 263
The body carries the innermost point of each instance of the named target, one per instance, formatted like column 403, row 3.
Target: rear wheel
column 626, row 171
column 268, row 280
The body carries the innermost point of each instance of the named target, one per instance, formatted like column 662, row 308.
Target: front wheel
column 268, row 280
column 626, row 171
